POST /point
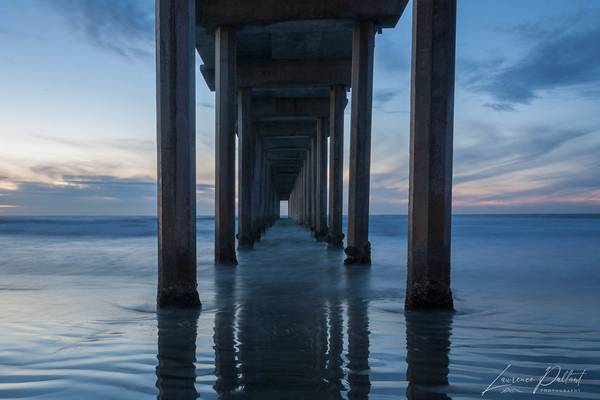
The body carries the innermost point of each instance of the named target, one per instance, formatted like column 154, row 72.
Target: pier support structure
column 245, row 158
column 176, row 137
column 432, row 119
column 312, row 193
column 363, row 41
column 321, row 180
column 256, row 184
column 297, row 67
column 337, row 103
column 226, row 95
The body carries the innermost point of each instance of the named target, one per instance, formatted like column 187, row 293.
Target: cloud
column 124, row 27
column 493, row 153
column 206, row 104
column 383, row 96
column 77, row 189
column 565, row 59
column 514, row 170
column 87, row 195
column 500, row 106
column 62, row 173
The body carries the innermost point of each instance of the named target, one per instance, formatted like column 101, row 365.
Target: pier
column 281, row 72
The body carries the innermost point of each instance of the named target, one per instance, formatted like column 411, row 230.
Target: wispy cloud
column 563, row 59
column 83, row 196
column 384, row 96
column 493, row 153
column 501, row 106
column 124, row 27
column 90, row 195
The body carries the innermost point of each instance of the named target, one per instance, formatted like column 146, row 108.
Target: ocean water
column 78, row 319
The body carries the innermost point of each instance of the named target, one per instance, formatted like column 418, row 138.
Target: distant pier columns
column 337, row 99
column 431, row 135
column 304, row 191
column 176, row 137
column 363, row 41
column 312, row 178
column 321, row 179
column 225, row 88
column 263, row 193
column 245, row 161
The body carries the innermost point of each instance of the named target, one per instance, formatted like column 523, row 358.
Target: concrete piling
column 432, row 120
column 176, row 138
column 359, row 247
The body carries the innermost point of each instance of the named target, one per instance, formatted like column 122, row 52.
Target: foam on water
column 78, row 319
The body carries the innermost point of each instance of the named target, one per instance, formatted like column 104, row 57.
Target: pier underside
column 281, row 72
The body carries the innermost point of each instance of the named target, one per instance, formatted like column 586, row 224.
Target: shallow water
column 77, row 314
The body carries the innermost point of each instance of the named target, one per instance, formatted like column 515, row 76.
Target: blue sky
column 77, row 109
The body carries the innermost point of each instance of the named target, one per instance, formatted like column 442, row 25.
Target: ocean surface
column 78, row 317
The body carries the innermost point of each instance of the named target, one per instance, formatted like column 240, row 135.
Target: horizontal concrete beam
column 212, row 13
column 290, row 107
column 286, row 72
column 285, row 140
column 286, row 128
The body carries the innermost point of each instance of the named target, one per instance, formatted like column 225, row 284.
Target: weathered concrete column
column 225, row 88
column 306, row 190
column 337, row 100
column 321, row 182
column 299, row 196
column 262, row 194
column 432, row 120
column 245, row 157
column 292, row 202
column 305, row 198
column 265, row 193
column 313, row 183
column 308, row 187
column 359, row 248
column 176, row 138
column 256, row 188
column 304, row 204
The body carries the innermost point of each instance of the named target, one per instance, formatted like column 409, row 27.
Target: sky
column 78, row 129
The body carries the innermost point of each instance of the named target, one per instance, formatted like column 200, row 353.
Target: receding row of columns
column 310, row 203
column 432, row 99
column 258, row 200
column 310, row 187
column 358, row 249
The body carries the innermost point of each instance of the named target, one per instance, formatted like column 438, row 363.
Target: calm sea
column 78, row 319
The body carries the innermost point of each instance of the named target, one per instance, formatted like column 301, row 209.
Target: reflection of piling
column 427, row 355
column 335, row 372
column 282, row 349
column 176, row 370
column 224, row 335
column 358, row 334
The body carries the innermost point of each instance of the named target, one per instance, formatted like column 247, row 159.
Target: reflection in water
column 224, row 336
column 176, row 370
column 358, row 333
column 335, row 372
column 427, row 355
column 290, row 337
